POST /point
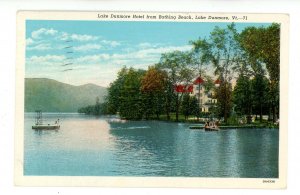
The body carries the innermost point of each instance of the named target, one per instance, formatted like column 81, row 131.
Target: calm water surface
column 90, row 146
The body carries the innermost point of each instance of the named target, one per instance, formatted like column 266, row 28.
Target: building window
column 197, row 87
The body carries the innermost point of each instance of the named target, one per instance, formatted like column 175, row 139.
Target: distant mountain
column 52, row 96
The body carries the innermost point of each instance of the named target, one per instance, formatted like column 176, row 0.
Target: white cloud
column 36, row 34
column 111, row 43
column 151, row 55
column 92, row 58
column 78, row 37
column 50, row 39
column 43, row 31
column 161, row 50
column 48, row 66
column 51, row 32
column 29, row 41
column 145, row 56
column 42, row 46
column 47, row 60
column 101, row 75
column 145, row 45
column 150, row 52
column 98, row 68
column 63, row 36
column 87, row 47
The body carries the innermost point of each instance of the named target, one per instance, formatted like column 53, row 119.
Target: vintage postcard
column 145, row 99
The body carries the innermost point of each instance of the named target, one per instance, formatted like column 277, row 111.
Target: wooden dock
column 230, row 126
column 46, row 127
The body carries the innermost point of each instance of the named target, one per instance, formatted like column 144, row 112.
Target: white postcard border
column 193, row 182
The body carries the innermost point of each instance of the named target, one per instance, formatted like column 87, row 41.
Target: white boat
column 39, row 125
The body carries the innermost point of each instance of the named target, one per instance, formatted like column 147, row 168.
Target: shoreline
column 238, row 127
column 194, row 124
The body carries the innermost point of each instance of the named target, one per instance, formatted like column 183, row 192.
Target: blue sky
column 81, row 52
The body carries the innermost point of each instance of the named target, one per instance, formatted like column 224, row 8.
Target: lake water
column 91, row 146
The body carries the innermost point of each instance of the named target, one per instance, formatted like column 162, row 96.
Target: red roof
column 199, row 80
column 184, row 88
column 218, row 81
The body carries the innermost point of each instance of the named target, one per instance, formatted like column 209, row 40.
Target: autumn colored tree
column 154, row 80
column 153, row 86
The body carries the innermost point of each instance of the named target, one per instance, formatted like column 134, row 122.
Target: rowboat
column 211, row 126
column 208, row 128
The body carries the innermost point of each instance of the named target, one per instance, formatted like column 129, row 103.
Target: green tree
column 224, row 53
column 224, row 100
column 194, row 107
column 260, row 95
column 114, row 92
column 97, row 108
column 263, row 45
column 243, row 96
column 178, row 66
column 87, row 110
column 186, row 106
column 169, row 98
column 124, row 94
column 201, row 55
column 130, row 95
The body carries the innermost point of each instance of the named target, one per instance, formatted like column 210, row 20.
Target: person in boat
column 206, row 125
column 216, row 125
column 211, row 124
column 57, row 121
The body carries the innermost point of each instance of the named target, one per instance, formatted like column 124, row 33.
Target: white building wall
column 203, row 97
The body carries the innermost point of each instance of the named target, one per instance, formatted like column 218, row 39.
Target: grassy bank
column 230, row 124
